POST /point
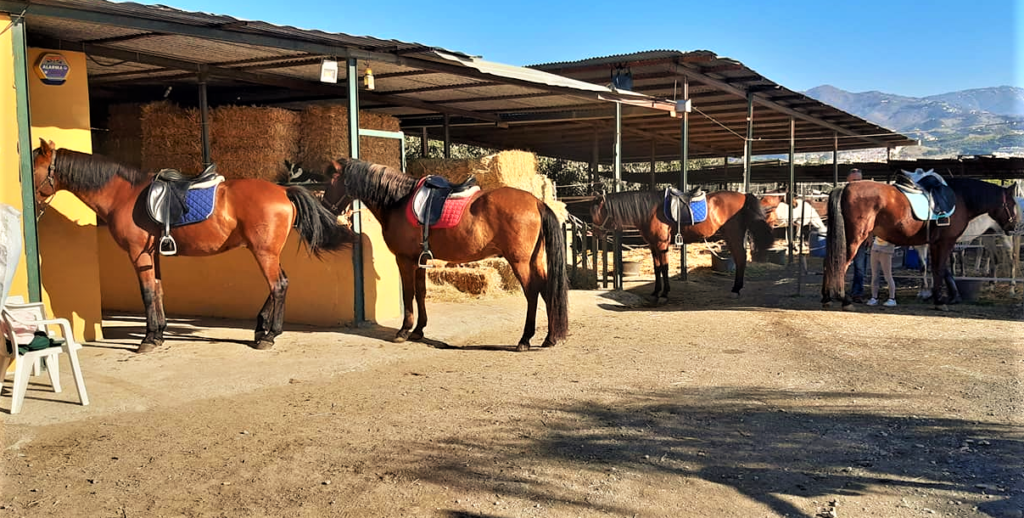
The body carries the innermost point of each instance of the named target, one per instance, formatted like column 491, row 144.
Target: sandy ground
column 706, row 406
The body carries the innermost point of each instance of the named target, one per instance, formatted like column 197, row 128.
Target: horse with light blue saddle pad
column 680, row 208
column 931, row 199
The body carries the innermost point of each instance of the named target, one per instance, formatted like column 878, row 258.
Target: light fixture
column 368, row 79
column 328, row 71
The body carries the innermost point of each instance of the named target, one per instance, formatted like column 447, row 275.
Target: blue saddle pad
column 921, row 206
column 199, row 204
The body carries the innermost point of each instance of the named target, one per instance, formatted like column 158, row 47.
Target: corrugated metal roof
column 561, row 105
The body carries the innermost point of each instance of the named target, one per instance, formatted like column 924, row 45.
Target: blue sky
column 914, row 48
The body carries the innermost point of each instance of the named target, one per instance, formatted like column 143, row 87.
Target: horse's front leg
column 145, row 268
column 407, row 269
column 421, row 304
column 663, row 253
column 656, row 259
column 940, row 254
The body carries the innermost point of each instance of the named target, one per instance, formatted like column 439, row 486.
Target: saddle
column 682, row 209
column 175, row 199
column 931, row 199
column 438, row 203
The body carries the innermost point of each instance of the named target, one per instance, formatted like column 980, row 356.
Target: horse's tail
column 756, row 222
column 835, row 242
column 318, row 227
column 556, row 290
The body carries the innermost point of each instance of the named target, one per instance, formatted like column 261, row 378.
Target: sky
column 914, row 48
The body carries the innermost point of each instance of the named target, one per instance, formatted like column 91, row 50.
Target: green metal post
column 357, row 250
column 684, row 167
column 28, row 188
column 790, row 191
column 618, row 188
column 748, row 146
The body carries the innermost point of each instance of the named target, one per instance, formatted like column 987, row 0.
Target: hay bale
column 324, row 136
column 253, row 142
column 471, row 281
column 123, row 140
column 171, row 138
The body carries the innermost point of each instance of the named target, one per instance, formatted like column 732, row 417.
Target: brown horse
column 865, row 207
column 730, row 214
column 504, row 222
column 255, row 214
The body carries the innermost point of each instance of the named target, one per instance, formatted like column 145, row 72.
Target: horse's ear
column 43, row 146
column 337, row 167
column 287, row 164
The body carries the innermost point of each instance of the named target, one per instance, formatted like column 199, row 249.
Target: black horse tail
column 835, row 244
column 756, row 222
column 556, row 290
column 318, row 227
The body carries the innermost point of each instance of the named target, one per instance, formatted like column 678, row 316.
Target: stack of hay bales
column 324, row 137
column 245, row 141
column 516, row 169
column 123, row 143
column 487, row 278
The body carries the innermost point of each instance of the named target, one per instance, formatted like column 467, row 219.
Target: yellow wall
column 69, row 253
column 10, row 181
column 230, row 285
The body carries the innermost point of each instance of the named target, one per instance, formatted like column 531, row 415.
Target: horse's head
column 597, row 212
column 44, row 175
column 294, row 170
column 1009, row 213
column 336, row 196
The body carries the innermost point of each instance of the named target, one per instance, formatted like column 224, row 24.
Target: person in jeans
column 860, row 259
column 881, row 259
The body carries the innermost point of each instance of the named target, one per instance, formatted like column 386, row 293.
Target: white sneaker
column 872, row 302
column 891, row 303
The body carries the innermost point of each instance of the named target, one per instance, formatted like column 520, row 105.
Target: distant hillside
column 968, row 122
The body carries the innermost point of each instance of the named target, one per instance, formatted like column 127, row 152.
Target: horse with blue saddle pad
column 175, row 200
column 931, row 199
column 657, row 215
column 862, row 208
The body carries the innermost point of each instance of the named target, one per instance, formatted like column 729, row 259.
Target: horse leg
column 734, row 240
column 656, row 259
column 407, row 269
column 421, row 304
column 954, row 292
column 161, row 317
column 940, row 254
column 528, row 277
column 270, row 325
column 145, row 268
column 664, row 271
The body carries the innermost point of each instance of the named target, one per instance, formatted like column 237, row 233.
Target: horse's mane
column 84, row 172
column 978, row 196
column 631, row 208
column 375, row 184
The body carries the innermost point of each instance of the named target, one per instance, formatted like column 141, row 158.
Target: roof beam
column 271, row 80
column 761, row 99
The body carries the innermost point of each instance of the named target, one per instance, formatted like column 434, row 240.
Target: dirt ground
column 710, row 406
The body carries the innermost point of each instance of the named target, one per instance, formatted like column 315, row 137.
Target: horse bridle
column 52, row 180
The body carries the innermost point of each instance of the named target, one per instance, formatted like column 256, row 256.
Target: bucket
column 911, row 259
column 969, row 289
column 817, row 244
column 723, row 264
column 630, row 268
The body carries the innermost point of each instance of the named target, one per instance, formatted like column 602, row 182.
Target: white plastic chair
column 19, row 322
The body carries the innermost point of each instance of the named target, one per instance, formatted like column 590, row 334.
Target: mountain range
column 982, row 121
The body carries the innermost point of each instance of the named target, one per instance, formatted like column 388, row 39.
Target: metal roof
column 136, row 51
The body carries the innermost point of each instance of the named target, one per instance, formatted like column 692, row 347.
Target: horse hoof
column 402, row 336
column 826, row 305
column 734, row 295
column 416, row 337
column 146, row 347
column 942, row 307
column 548, row 343
column 849, row 307
column 663, row 300
column 522, row 347
column 263, row 345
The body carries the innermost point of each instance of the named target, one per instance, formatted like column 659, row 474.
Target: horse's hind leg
column 656, row 259
column 663, row 270
column 269, row 326
column 734, row 240
column 530, row 279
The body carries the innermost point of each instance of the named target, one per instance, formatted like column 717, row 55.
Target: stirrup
column 425, row 264
column 172, row 249
column 942, row 222
column 679, row 239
